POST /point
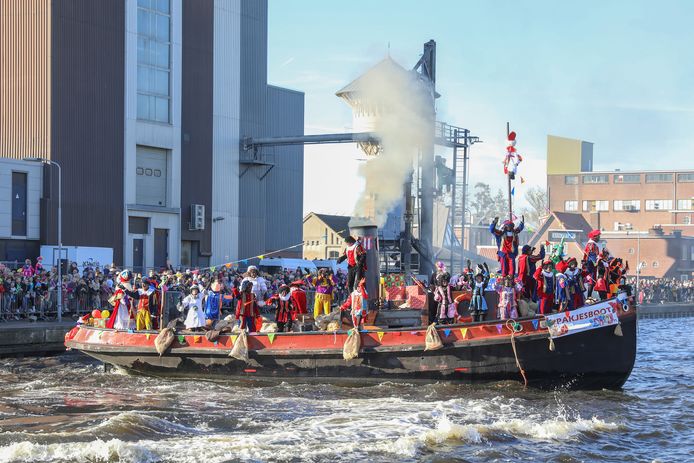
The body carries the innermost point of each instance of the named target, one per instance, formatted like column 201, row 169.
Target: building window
column 153, row 60
column 626, row 205
column 656, row 264
column 138, row 225
column 685, row 178
column 333, row 255
column 596, row 205
column 570, row 179
column 687, row 220
column 691, row 253
column 685, row 204
column 602, row 178
column 627, row 178
column 150, row 190
column 570, row 206
column 630, row 250
column 658, row 178
column 19, row 204
column 658, row 204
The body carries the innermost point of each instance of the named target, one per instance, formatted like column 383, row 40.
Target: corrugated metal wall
column 196, row 113
column 253, row 69
column 285, row 182
column 25, row 73
column 225, row 132
column 87, row 112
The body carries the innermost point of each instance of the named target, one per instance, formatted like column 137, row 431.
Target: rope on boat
column 513, row 330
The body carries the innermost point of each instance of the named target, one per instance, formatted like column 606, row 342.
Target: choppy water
column 66, row 409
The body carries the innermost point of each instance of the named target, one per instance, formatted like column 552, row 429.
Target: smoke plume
column 398, row 106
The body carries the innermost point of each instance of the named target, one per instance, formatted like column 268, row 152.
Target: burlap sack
column 525, row 308
column 432, row 339
column 334, row 326
column 164, row 340
column 240, row 349
column 268, row 327
column 212, row 335
column 352, row 345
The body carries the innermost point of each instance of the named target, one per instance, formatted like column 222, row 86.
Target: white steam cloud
column 397, row 105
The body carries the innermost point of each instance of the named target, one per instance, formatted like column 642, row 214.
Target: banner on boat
column 583, row 319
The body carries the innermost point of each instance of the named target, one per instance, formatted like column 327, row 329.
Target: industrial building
column 144, row 104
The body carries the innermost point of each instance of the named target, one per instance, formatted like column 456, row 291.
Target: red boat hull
column 473, row 352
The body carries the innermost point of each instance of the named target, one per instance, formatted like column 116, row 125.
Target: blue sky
column 617, row 73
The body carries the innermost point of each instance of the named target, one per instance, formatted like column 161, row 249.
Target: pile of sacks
column 330, row 322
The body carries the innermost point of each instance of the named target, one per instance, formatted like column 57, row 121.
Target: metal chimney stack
column 365, row 231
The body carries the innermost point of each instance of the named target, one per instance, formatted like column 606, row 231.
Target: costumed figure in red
column 527, row 264
column 618, row 269
column 561, row 286
column 285, row 313
column 122, row 302
column 544, row 277
column 247, row 309
column 512, row 158
column 590, row 258
column 358, row 302
column 574, row 276
column 298, row 295
column 603, row 281
column 507, row 244
column 356, row 261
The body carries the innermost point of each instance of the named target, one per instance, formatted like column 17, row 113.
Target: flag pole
column 508, row 177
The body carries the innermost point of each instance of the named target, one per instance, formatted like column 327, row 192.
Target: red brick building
column 645, row 216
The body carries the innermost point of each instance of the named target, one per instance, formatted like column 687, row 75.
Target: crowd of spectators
column 664, row 290
column 30, row 290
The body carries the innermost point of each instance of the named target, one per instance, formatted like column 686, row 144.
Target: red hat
column 297, row 283
column 512, row 136
column 547, row 262
column 561, row 266
column 571, row 259
column 594, row 234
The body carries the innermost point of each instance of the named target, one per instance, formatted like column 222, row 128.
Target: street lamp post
column 60, row 231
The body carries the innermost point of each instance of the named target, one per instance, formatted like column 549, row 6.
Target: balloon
column 96, row 313
column 105, row 314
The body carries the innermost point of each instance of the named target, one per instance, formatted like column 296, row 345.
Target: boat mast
column 508, row 177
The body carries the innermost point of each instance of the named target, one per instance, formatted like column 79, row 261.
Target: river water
column 67, row 409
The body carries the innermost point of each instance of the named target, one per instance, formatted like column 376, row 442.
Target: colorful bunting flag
column 463, row 332
column 535, row 322
column 228, row 265
column 499, row 328
column 262, row 256
column 233, row 338
column 349, row 332
column 522, row 180
column 380, row 335
column 271, row 337
column 101, row 333
column 148, row 335
column 212, row 269
column 216, row 343
column 413, row 333
column 447, row 332
column 181, row 339
column 130, row 331
column 513, row 191
column 197, row 338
